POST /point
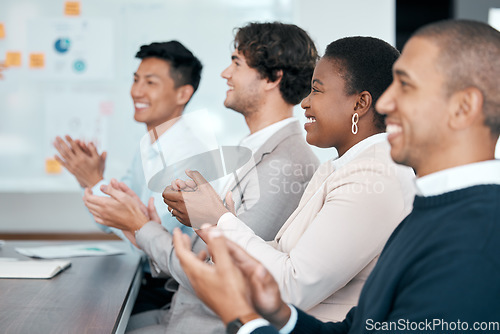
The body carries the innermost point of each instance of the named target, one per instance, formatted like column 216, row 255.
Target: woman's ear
column 363, row 103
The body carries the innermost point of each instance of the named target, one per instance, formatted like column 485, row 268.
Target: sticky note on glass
column 13, row 59
column 52, row 166
column 2, row 31
column 37, row 60
column 72, row 8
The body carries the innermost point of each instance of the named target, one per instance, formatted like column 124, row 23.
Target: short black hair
column 185, row 68
column 469, row 55
column 274, row 46
column 366, row 65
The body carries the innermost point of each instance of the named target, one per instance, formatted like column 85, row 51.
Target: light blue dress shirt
column 177, row 143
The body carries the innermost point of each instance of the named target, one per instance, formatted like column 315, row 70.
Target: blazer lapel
column 269, row 146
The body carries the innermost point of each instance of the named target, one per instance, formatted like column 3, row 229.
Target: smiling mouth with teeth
column 141, row 105
column 311, row 120
column 393, row 129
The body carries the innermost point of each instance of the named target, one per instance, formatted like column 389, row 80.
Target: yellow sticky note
column 72, row 8
column 2, row 31
column 37, row 60
column 13, row 59
column 52, row 166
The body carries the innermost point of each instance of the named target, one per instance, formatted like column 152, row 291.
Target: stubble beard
column 246, row 105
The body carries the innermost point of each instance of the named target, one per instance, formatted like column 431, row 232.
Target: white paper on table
column 73, row 250
column 32, row 268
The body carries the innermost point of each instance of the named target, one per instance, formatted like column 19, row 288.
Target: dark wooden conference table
column 94, row 295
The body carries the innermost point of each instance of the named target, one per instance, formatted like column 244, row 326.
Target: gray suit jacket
column 267, row 192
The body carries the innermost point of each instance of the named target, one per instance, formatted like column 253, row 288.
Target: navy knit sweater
column 438, row 273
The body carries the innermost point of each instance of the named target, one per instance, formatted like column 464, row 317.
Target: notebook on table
column 32, row 268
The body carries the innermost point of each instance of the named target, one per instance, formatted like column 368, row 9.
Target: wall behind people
column 75, row 74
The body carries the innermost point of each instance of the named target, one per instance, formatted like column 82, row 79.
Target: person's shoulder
column 464, row 221
column 377, row 159
column 289, row 146
column 379, row 152
column 283, row 135
column 293, row 146
column 288, row 156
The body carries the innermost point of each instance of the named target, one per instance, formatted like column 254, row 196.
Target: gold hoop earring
column 354, row 127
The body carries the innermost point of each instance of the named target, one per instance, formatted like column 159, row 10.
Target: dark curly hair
column 185, row 68
column 273, row 47
column 366, row 63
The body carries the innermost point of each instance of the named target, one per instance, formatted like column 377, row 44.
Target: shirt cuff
column 290, row 325
column 250, row 326
column 96, row 189
column 225, row 218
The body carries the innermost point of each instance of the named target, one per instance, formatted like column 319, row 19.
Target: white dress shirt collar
column 257, row 139
column 354, row 151
column 485, row 172
column 172, row 134
column 178, row 142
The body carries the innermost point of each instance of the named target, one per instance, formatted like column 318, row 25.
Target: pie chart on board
column 62, row 45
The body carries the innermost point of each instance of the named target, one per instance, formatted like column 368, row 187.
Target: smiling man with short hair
column 164, row 82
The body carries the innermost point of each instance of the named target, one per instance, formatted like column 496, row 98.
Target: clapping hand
column 236, row 285
column 123, row 209
column 194, row 202
column 81, row 160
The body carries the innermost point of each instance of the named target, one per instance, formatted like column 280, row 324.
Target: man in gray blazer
column 270, row 72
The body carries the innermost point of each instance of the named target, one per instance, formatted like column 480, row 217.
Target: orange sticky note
column 72, row 8
column 37, row 60
column 52, row 166
column 13, row 59
column 2, row 31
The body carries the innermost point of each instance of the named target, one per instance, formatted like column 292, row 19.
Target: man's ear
column 184, row 93
column 466, row 108
column 363, row 103
column 272, row 84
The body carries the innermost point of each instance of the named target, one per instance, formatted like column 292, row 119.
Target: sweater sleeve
column 447, row 288
column 308, row 324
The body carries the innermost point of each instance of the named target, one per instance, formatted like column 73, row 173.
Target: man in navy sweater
column 440, row 270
